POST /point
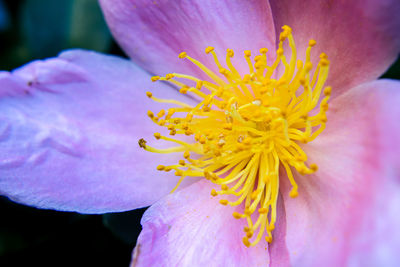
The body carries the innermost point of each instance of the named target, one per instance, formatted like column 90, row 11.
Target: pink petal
column 190, row 228
column 153, row 33
column 361, row 38
column 340, row 210
column 69, row 131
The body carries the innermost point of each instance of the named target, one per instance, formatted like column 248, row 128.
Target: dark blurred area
column 37, row 29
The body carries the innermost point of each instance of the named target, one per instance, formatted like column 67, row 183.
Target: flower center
column 246, row 127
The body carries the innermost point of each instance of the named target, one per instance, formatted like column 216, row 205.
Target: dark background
column 35, row 29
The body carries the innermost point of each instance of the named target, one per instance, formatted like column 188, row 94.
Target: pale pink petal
column 69, row 131
column 190, row 228
column 153, row 33
column 361, row 38
column 339, row 211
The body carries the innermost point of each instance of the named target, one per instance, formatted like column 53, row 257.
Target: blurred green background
column 36, row 29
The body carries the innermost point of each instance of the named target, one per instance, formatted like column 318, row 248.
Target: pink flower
column 69, row 128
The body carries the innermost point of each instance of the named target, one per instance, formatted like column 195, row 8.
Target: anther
column 182, row 55
column 186, row 154
column 312, row 43
column 214, row 193
column 160, row 167
column 223, row 202
column 155, row 78
column 209, row 49
column 142, row 143
column 293, row 193
column 157, row 135
column 237, row 215
column 224, row 187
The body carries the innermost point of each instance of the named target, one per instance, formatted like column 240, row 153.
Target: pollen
column 247, row 128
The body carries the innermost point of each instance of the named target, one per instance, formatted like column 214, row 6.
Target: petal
column 361, row 38
column 326, row 223
column 153, row 33
column 69, row 128
column 190, row 228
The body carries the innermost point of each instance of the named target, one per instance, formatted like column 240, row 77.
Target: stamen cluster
column 245, row 127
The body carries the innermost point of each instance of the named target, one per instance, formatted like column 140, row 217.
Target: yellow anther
column 161, row 113
column 224, row 187
column 157, row 135
column 293, row 193
column 149, row 94
column 247, row 53
column 308, row 66
column 155, row 78
column 279, row 52
column 150, row 114
column 254, row 194
column 160, row 167
column 182, row 55
column 314, row 167
column 263, row 50
column 202, row 140
column 223, row 202
column 270, row 227
column 178, row 173
column 246, row 241
column 327, row 90
column 224, row 71
column 169, row 76
column 209, row 49
column 186, row 154
column 268, row 239
column 167, row 168
column 182, row 162
column 323, row 55
column 312, row 43
column 184, row 90
column 324, row 62
column 249, row 234
column 287, row 29
column 214, row 193
column 237, row 215
column 230, row 53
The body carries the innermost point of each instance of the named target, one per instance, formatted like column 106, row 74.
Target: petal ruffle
column 69, row 131
column 190, row 228
column 361, row 38
column 339, row 210
column 153, row 33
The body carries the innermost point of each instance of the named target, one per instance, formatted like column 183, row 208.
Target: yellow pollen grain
column 245, row 134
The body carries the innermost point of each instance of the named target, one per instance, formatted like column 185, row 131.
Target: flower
column 70, row 125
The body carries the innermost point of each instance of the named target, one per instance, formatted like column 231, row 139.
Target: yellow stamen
column 246, row 128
